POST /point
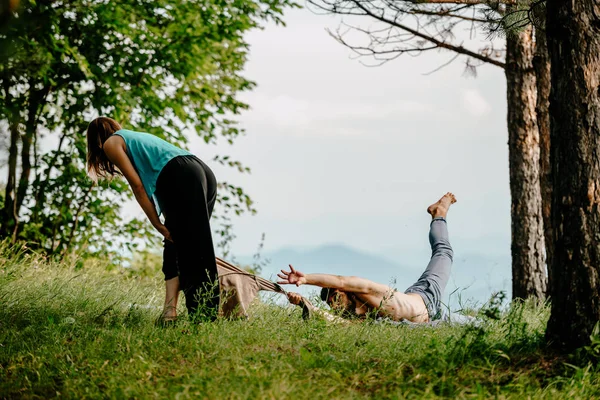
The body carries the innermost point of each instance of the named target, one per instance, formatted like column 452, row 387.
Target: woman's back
column 149, row 154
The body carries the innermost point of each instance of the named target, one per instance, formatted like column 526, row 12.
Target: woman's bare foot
column 167, row 318
column 169, row 313
column 440, row 208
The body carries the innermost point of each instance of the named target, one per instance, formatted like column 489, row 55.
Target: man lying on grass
column 359, row 297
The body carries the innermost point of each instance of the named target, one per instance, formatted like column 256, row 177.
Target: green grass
column 90, row 333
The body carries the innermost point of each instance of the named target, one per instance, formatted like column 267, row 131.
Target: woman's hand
column 293, row 277
column 165, row 232
column 294, row 298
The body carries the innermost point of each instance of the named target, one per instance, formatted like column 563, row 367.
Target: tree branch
column 437, row 42
column 449, row 14
column 76, row 218
column 40, row 195
column 443, row 65
column 468, row 2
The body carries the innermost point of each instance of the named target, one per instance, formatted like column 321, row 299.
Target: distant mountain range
column 474, row 276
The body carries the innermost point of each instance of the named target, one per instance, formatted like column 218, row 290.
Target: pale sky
column 344, row 153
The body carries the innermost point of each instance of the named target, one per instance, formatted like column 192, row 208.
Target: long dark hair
column 349, row 310
column 98, row 165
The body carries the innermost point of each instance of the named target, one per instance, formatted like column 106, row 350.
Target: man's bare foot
column 440, row 208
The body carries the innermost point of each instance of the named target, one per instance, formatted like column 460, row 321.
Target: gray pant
column 432, row 283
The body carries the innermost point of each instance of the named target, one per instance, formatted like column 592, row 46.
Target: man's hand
column 294, row 298
column 292, row 277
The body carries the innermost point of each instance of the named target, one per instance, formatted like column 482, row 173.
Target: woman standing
column 167, row 179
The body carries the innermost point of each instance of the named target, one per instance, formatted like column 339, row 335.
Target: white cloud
column 474, row 103
column 304, row 116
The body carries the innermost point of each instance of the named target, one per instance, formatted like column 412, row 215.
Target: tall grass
column 90, row 332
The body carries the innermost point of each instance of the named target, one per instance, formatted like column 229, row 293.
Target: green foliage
column 591, row 352
column 146, row 264
column 157, row 66
column 87, row 332
column 493, row 308
column 517, row 17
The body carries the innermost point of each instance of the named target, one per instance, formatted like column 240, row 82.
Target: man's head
column 339, row 301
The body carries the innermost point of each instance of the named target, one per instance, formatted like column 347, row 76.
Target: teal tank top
column 149, row 154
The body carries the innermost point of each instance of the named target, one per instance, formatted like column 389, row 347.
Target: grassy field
column 90, row 333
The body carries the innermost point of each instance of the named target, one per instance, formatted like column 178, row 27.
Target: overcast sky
column 347, row 154
column 344, row 153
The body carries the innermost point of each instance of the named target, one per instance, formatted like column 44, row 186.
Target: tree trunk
column 541, row 63
column 528, row 269
column 9, row 217
column 36, row 100
column 7, row 213
column 573, row 33
column 7, row 7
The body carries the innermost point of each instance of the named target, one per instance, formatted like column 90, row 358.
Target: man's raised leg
column 433, row 281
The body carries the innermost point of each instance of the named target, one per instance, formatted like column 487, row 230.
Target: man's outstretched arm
column 353, row 284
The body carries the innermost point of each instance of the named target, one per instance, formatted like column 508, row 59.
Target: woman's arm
column 114, row 148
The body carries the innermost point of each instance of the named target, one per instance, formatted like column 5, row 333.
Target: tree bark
column 528, row 269
column 573, row 33
column 9, row 218
column 8, row 212
column 541, row 63
column 7, row 7
column 36, row 100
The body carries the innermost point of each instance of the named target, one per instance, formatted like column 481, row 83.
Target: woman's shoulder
column 139, row 137
column 130, row 133
column 147, row 139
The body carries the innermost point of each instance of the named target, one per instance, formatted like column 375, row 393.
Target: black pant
column 186, row 190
